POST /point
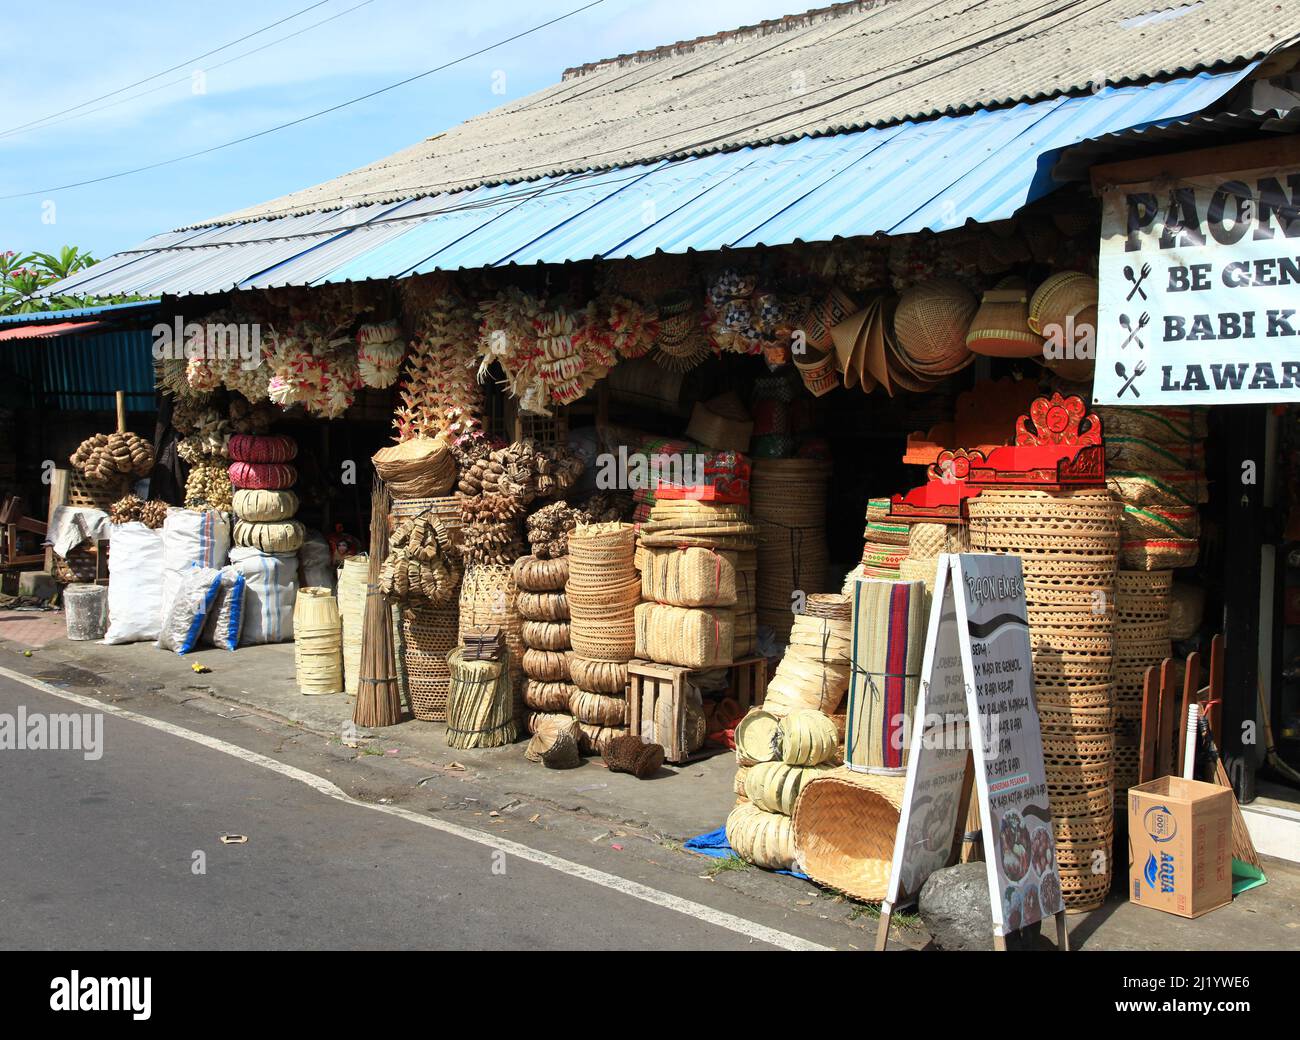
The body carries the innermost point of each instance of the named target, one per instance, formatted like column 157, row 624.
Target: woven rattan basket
column 844, row 829
column 533, row 575
column 428, row 635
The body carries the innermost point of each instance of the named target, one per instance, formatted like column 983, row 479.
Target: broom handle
column 121, row 411
column 1189, row 748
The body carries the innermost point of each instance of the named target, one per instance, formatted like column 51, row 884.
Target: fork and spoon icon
column 1127, row 324
column 1137, row 281
column 1138, row 370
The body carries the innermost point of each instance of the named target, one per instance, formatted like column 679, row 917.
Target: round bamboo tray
column 596, row 738
column 1073, row 694
column 609, row 677
column 1143, row 583
column 1076, row 831
column 597, row 708
column 545, row 635
column 757, row 738
column 844, row 830
column 533, row 575
column 547, row 696
column 1082, row 890
column 1071, row 798
column 542, row 606
column 1056, row 719
column 1077, row 749
column 547, row 665
column 604, row 640
column 1139, row 634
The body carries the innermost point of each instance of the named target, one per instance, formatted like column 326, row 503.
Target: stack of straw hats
column 788, row 497
column 1068, row 543
column 603, row 590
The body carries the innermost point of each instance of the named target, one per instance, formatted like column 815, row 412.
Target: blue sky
column 57, row 56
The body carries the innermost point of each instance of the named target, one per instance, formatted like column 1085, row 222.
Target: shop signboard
column 976, row 722
column 1199, row 299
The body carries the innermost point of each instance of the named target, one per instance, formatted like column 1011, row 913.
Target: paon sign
column 1199, row 299
column 978, row 666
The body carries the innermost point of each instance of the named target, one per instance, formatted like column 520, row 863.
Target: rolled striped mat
column 888, row 647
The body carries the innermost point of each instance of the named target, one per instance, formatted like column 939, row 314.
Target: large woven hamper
column 844, row 829
column 429, row 634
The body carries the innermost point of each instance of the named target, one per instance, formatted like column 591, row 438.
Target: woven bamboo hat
column 930, row 326
column 846, row 336
column 1001, row 325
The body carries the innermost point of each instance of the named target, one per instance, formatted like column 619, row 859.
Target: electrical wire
column 303, row 119
column 558, row 165
column 164, row 72
column 186, row 79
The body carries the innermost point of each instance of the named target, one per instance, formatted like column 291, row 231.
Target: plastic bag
column 270, row 588
column 135, row 584
column 226, row 618
column 186, row 613
column 191, row 538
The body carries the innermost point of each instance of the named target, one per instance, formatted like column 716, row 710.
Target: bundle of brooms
column 379, row 702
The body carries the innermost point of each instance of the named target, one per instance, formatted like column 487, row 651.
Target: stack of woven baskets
column 603, row 590
column 1142, row 607
column 544, row 607
column 264, row 507
column 776, row 758
column 1068, row 543
column 885, row 545
column 926, row 542
column 1155, row 464
column 814, row 672
column 788, row 498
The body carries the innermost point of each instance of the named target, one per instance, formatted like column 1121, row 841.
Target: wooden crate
column 648, row 682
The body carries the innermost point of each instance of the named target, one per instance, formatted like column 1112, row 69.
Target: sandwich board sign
column 976, row 721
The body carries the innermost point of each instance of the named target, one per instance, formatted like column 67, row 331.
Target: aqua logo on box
column 1160, row 870
column 1160, row 823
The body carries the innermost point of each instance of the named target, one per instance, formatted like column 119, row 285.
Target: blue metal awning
column 937, row 174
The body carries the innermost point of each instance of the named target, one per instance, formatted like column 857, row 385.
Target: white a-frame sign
column 978, row 667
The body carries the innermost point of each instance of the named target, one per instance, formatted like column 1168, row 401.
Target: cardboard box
column 1180, row 846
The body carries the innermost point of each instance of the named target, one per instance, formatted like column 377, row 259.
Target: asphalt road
column 105, row 855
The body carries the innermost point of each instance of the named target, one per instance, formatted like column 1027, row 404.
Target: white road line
column 699, row 911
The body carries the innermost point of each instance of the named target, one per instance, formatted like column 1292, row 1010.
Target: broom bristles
column 379, row 702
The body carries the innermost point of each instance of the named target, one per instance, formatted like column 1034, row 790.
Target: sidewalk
column 677, row 804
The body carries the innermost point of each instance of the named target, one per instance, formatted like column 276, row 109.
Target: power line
column 306, row 118
column 186, row 79
column 164, row 72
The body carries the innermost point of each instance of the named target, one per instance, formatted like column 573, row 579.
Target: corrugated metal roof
column 938, row 174
column 833, row 71
column 61, row 328
column 82, row 371
column 1178, row 133
column 105, row 309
